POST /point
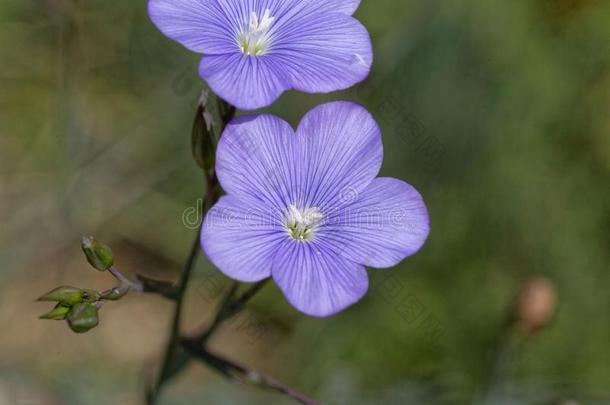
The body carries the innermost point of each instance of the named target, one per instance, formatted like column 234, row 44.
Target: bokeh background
column 497, row 111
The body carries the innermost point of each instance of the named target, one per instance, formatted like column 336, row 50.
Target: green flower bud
column 98, row 254
column 65, row 295
column 58, row 313
column 82, row 318
column 202, row 140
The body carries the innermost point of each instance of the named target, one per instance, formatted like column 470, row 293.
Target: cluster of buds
column 80, row 307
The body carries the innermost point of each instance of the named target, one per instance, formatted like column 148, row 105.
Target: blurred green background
column 497, row 111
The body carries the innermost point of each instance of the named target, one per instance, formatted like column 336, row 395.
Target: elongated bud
column 65, row 295
column 60, row 312
column 82, row 318
column 98, row 254
column 202, row 141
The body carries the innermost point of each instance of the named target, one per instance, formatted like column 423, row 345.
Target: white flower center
column 301, row 224
column 254, row 39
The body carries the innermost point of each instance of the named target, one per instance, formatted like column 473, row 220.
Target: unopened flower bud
column 202, row 139
column 98, row 254
column 82, row 318
column 65, row 295
column 58, row 313
column 536, row 304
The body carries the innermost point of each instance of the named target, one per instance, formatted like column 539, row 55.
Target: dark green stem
column 506, row 344
column 173, row 361
column 172, row 344
column 220, row 316
column 230, row 307
column 236, row 371
column 180, row 350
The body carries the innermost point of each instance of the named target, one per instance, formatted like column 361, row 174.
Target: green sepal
column 65, row 295
column 59, row 313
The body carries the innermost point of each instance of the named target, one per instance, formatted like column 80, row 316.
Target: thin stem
column 506, row 344
column 248, row 294
column 229, row 307
column 115, row 292
column 220, row 316
column 170, row 350
column 177, row 350
column 163, row 288
column 231, row 369
column 132, row 285
column 168, row 367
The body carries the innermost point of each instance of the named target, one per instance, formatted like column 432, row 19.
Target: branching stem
column 179, row 349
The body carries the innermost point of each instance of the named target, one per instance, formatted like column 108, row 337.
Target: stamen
column 301, row 225
column 254, row 38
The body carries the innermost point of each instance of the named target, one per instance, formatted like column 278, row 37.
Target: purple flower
column 307, row 208
column 256, row 49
